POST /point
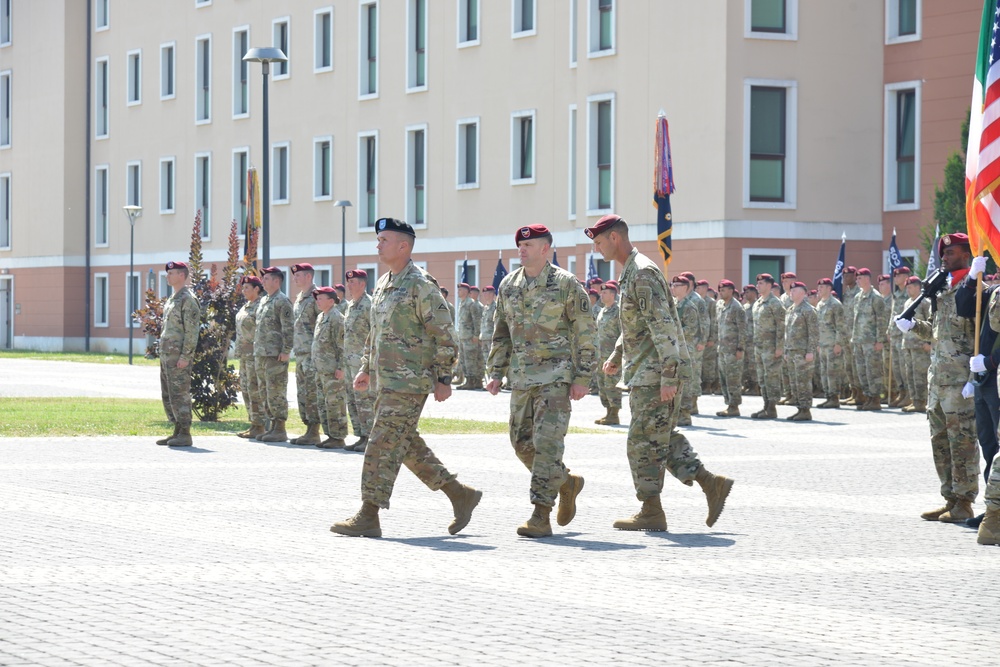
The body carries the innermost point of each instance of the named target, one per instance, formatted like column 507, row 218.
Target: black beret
column 393, row 225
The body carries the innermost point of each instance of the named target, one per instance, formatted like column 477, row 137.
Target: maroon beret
column 611, row 284
column 304, row 266
column 465, row 285
column 901, row 271
column 340, row 287
column 328, row 291
column 603, row 225
column 883, row 277
column 751, row 288
column 798, row 284
column 681, row 279
column 490, row 288
column 356, row 273
column 272, row 270
column 851, row 269
column 864, row 272
column 251, row 280
column 531, row 232
column 473, row 288
column 689, row 276
column 702, row 283
column 957, row 238
column 787, row 275
column 913, row 280
column 825, row 281
column 766, row 277
column 727, row 283
column 176, row 265
column 593, row 292
column 813, row 292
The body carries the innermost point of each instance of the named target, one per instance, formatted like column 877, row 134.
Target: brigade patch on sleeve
column 643, row 296
column 585, row 304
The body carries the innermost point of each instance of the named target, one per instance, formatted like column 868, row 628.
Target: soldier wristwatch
column 445, row 379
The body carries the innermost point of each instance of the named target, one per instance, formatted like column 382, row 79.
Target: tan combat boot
column 330, row 443
column 832, row 401
column 312, row 436
column 872, row 404
column 989, row 529
column 802, row 415
column 538, row 524
column 363, row 524
column 246, row 433
column 716, row 488
column 610, row 419
column 935, row 514
column 920, row 406
column 463, row 500
column 183, row 437
column 360, row 446
column 684, row 418
column 959, row 513
column 256, row 430
column 277, row 432
column 163, row 441
column 731, row 411
column 568, row 492
column 694, row 406
column 857, row 397
column 650, row 517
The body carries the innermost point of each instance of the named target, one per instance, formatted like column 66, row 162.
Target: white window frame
column 460, row 153
column 788, row 253
column 411, row 197
column 202, row 3
column 102, row 311
column 206, row 226
column 598, row 257
column 458, row 276
column 163, row 288
column 100, row 5
column 317, row 171
column 363, row 212
column 515, row 146
column 107, row 205
column 318, row 40
column 137, row 275
column 276, row 147
column 168, row 191
column 593, row 172
column 574, row 32
column 363, row 82
column 908, row 253
column 7, row 237
column 6, row 27
column 319, row 270
column 199, row 96
column 372, row 271
column 594, row 30
column 238, row 67
column 129, row 166
column 276, row 69
column 105, row 99
column 171, row 75
column 285, row 286
column 791, row 143
column 571, row 264
column 791, row 33
column 6, row 109
column 516, row 20
column 572, row 180
column 237, row 211
column 889, row 175
column 133, row 95
column 892, row 35
column 461, row 13
column 411, row 47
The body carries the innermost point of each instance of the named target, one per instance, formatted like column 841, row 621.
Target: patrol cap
column 798, row 283
column 394, row 225
column 788, row 275
column 465, row 285
column 727, row 283
column 593, row 292
column 958, row 238
column 611, row 284
column 532, row 232
column 304, row 266
column 272, row 270
column 702, row 283
column 356, row 273
column 766, row 277
column 824, row 281
column 864, row 272
column 490, row 288
column 326, row 291
column 251, row 280
column 903, row 270
column 913, row 280
column 851, row 269
column 176, row 265
column 603, row 225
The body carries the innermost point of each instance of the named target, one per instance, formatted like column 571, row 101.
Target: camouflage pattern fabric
column 889, row 355
column 786, row 388
column 916, row 355
column 710, row 362
column 992, row 495
column 769, row 337
column 486, row 331
column 654, row 444
column 357, row 327
column 732, row 337
column 469, row 325
column 305, row 312
column 608, row 329
column 749, row 353
column 830, row 313
column 868, row 329
column 801, row 338
column 689, row 316
column 274, row 336
column 272, row 376
column 246, row 327
column 178, row 340
column 848, row 301
column 327, row 358
column 539, row 418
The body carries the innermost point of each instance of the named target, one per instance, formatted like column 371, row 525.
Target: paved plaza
column 116, row 551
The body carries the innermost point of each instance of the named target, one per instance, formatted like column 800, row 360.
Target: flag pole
column 892, row 286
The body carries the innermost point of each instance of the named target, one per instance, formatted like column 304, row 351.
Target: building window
column 574, row 10
column 202, row 3
column 416, row 79
column 203, row 191
column 134, row 84
column 600, row 153
column 468, row 22
column 523, row 16
column 101, row 192
column 467, row 154
column 101, row 14
column 5, row 22
column 902, row 146
column 571, row 178
column 5, row 107
column 279, row 173
column 101, row 126
column 601, row 20
column 281, row 37
column 5, row 232
column 322, row 168
column 416, row 175
column 133, row 294
column 471, row 276
column 522, row 147
column 368, row 57
column 167, row 176
column 133, row 184
column 241, row 163
column 367, row 179
column 241, row 71
column 166, row 291
column 905, row 148
column 902, row 21
column 771, row 19
column 769, row 125
column 168, row 64
column 203, row 73
column 100, row 300
column 323, row 40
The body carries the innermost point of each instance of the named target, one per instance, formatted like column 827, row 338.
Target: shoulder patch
column 643, row 296
column 585, row 304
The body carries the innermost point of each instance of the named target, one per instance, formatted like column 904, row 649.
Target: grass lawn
column 99, row 358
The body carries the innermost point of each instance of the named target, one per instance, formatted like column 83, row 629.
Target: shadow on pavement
column 191, row 450
column 568, row 540
column 441, row 543
column 694, row 540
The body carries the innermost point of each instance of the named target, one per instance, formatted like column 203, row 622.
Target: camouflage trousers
column 891, row 361
column 731, row 377
column 816, row 381
column 306, row 389
column 800, row 378
column 850, row 372
column 473, row 364
column 769, row 375
column 710, row 367
column 359, row 403
column 611, row 395
column 539, row 417
column 175, row 389
column 394, row 442
column 331, row 409
column 253, row 397
column 831, row 370
column 953, row 441
column 992, row 494
column 868, row 368
column 750, row 369
column 654, row 445
column 915, row 364
column 692, row 389
column 272, row 375
column 484, row 349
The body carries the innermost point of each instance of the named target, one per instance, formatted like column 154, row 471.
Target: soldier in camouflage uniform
column 817, row 381
column 409, row 355
column 710, row 358
column 705, row 318
column 544, row 342
column 892, row 388
column 732, row 331
column 750, row 385
column 357, row 327
column 786, row 302
column 246, row 327
column 901, row 394
column 327, row 357
column 594, row 292
column 178, row 341
column 851, row 290
column 692, row 327
column 769, row 345
column 272, row 347
column 468, row 335
column 608, row 330
column 916, row 352
column 305, row 311
column 342, row 295
column 833, row 340
column 458, row 377
column 652, row 358
column 486, row 322
column 950, row 413
column 801, row 342
column 867, row 340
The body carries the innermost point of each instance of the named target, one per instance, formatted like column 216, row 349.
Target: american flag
column 982, row 166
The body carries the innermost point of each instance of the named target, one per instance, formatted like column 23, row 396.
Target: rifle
column 930, row 287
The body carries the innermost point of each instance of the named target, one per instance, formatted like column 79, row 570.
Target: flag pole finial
column 843, row 236
column 893, row 231
column 662, row 114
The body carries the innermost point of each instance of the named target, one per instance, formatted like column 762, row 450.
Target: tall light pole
column 133, row 212
column 265, row 55
column 343, row 204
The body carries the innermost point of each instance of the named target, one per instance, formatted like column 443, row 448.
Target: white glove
column 905, row 325
column 969, row 390
column 978, row 266
column 977, row 364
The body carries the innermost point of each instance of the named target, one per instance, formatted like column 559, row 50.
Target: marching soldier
column 801, row 341
column 609, row 328
column 916, row 352
column 178, row 342
column 833, row 340
column 867, row 340
column 246, row 326
column 327, row 357
column 357, row 326
column 305, row 311
column 769, row 345
column 272, row 347
column 731, row 324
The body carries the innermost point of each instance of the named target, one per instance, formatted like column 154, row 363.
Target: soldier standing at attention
column 705, row 317
column 478, row 360
column 950, row 413
column 178, row 341
column 544, row 342
column 801, row 341
column 851, row 290
column 732, row 328
column 652, row 358
column 916, row 352
column 786, row 301
column 342, row 295
column 897, row 304
column 689, row 318
column 769, row 345
column 468, row 336
column 327, row 357
column 246, row 327
column 867, row 340
column 710, row 360
column 594, row 293
column 272, row 347
column 608, row 330
column 749, row 358
column 305, row 312
column 885, row 291
column 409, row 355
column 486, row 323
column 458, row 376
column 357, row 326
column 832, row 342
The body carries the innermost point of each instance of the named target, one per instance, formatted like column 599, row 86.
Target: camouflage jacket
column 768, row 325
column 897, row 305
column 468, row 319
column 181, row 324
column 357, row 326
column 486, row 322
column 911, row 341
column 832, row 323
column 328, row 342
column 609, row 328
column 951, row 339
column 275, row 326
column 704, row 317
column 246, row 328
column 748, row 316
column 868, row 326
column 786, row 300
column 596, row 309
column 691, row 323
column 732, row 326
column 305, row 312
column 342, row 307
column 412, row 341
column 713, row 322
column 651, row 350
column 849, row 295
column 544, row 332
column 801, row 328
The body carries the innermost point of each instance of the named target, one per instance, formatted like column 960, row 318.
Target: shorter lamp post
column 343, row 204
column 133, row 212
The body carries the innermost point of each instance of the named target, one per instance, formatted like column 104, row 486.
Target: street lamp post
column 265, row 55
column 343, row 204
column 133, row 212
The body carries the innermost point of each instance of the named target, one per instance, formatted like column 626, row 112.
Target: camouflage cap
column 394, row 225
